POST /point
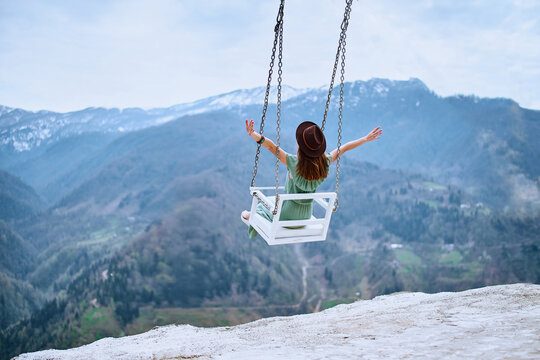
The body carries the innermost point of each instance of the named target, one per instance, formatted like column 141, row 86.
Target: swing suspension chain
column 278, row 121
column 332, row 82
column 340, row 53
column 344, row 26
column 279, row 24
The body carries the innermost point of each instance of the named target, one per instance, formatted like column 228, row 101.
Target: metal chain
column 341, row 46
column 339, row 53
column 278, row 121
column 279, row 22
column 263, row 202
column 344, row 26
column 331, row 83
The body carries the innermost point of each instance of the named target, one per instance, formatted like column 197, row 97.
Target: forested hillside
column 143, row 227
column 395, row 231
column 18, row 299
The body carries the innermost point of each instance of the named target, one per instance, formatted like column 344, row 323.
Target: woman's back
column 297, row 184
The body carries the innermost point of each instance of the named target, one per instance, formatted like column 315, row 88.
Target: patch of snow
column 20, row 146
column 496, row 322
column 164, row 119
column 380, row 89
column 5, row 110
column 254, row 96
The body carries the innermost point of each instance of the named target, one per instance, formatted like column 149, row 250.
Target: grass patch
column 97, row 323
column 431, row 203
column 99, row 236
column 407, row 257
column 434, row 186
column 331, row 303
column 202, row 317
column 474, row 270
column 452, row 258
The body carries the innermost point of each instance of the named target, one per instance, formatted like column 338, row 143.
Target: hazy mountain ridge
column 134, row 203
column 22, row 130
column 486, row 146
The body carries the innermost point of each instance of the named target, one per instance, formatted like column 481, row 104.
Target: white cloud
column 140, row 53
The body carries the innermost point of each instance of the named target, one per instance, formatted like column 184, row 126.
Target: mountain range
column 485, row 146
column 114, row 221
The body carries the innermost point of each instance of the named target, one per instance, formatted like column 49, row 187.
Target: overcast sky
column 67, row 55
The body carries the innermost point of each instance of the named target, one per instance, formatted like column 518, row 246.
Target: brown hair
column 312, row 168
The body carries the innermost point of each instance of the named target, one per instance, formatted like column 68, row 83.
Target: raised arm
column 373, row 135
column 269, row 144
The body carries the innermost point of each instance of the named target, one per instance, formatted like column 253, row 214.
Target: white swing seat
column 278, row 232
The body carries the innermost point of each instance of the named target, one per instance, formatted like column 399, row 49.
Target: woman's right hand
column 249, row 127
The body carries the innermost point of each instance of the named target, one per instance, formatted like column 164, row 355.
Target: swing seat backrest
column 280, row 232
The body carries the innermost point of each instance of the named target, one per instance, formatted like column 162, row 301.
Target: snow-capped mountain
column 496, row 322
column 459, row 140
column 22, row 130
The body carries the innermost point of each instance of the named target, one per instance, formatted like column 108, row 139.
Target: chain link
column 261, row 201
column 331, row 84
column 340, row 53
column 279, row 22
column 341, row 86
column 278, row 121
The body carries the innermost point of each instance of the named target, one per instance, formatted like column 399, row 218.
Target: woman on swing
column 307, row 170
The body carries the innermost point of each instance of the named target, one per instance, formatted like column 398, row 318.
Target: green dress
column 295, row 184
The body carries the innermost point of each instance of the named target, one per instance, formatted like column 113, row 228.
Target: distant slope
column 491, row 322
column 52, row 163
column 486, row 146
column 17, row 200
column 16, row 255
column 138, row 167
column 394, row 231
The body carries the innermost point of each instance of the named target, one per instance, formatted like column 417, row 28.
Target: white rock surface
column 497, row 322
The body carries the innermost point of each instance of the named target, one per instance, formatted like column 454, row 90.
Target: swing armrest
column 262, row 198
column 318, row 197
column 307, row 196
column 265, row 188
column 322, row 202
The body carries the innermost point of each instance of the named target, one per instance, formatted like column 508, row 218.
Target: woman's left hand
column 249, row 127
column 374, row 134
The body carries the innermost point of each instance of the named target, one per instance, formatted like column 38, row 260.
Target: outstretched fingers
column 375, row 134
column 249, row 126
